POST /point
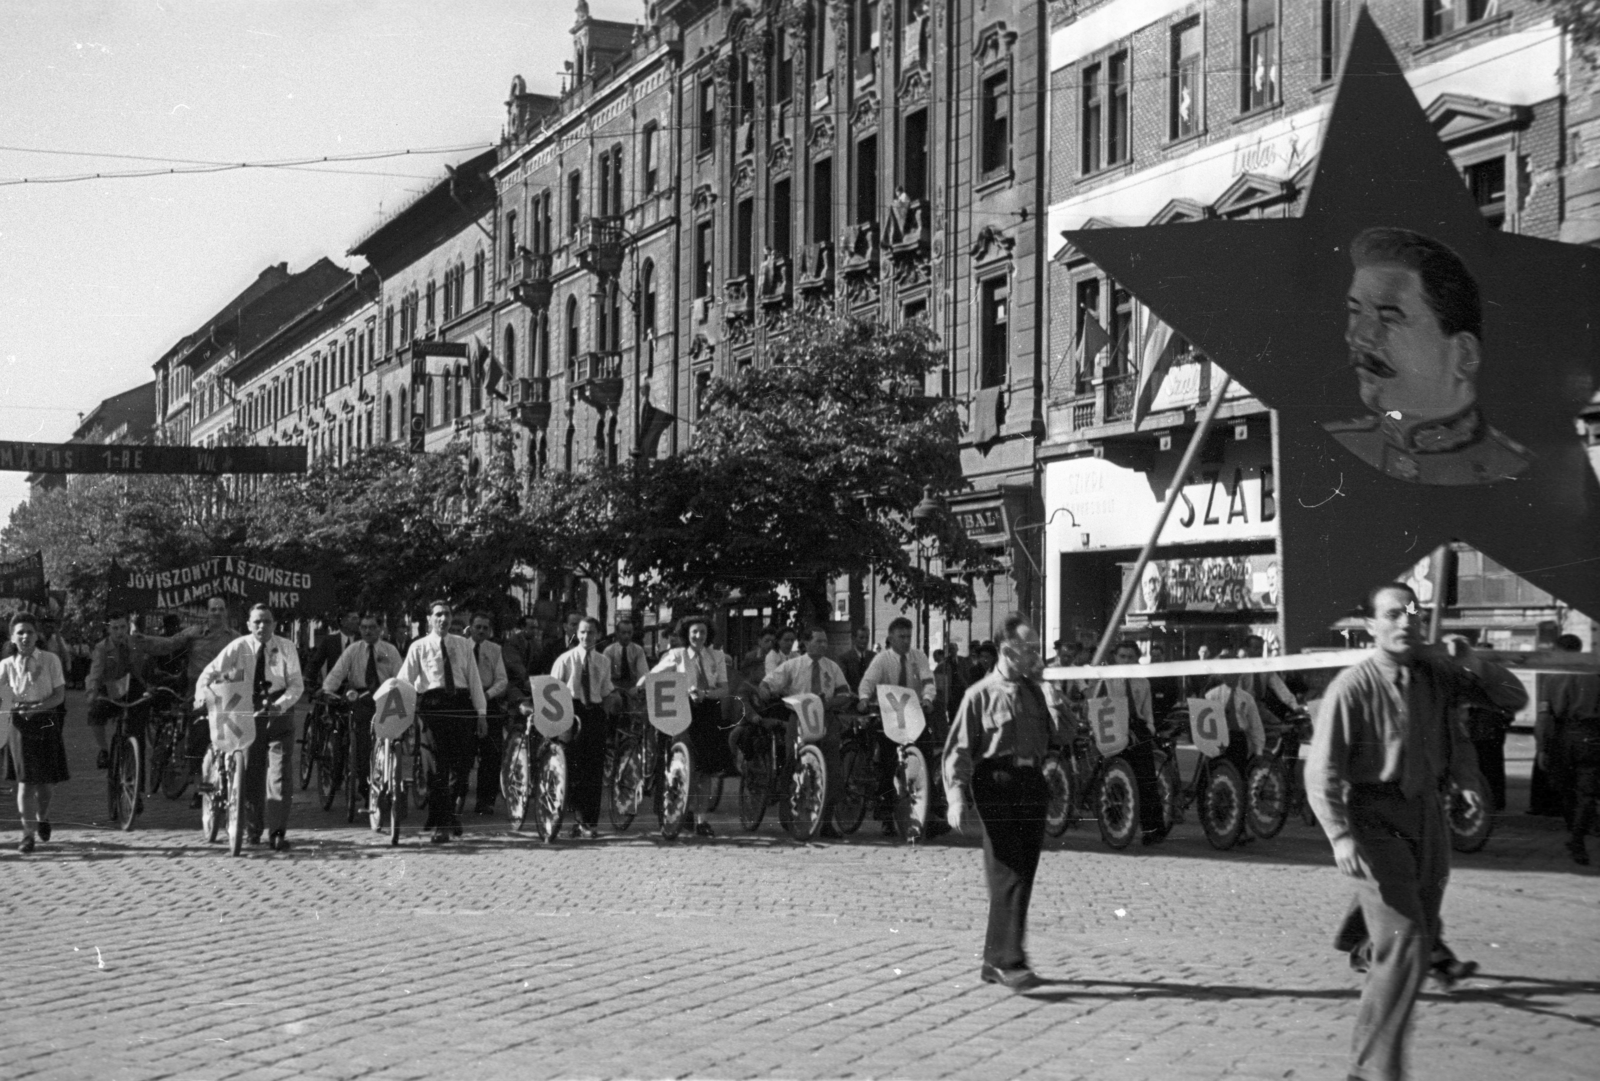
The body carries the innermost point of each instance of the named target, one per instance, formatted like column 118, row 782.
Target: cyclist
column 1267, row 688
column 492, row 674
column 707, row 670
column 1140, row 751
column 1246, row 736
column 814, row 672
column 272, row 664
column 201, row 646
column 116, row 671
column 628, row 662
column 902, row 666
column 449, row 698
column 359, row 671
column 587, row 675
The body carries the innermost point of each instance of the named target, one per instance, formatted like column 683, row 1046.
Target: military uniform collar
column 1436, row 436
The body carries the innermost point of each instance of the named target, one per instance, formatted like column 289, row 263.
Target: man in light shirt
column 272, row 665
column 359, row 671
column 628, row 662
column 1140, row 751
column 450, row 698
column 202, row 643
column 496, row 687
column 901, row 666
column 587, row 674
column 814, row 672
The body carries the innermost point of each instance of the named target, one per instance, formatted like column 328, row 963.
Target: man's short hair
column 374, row 616
column 624, row 617
column 1011, row 629
column 899, row 623
column 591, row 621
column 23, row 617
column 1447, row 285
column 485, row 616
column 115, row 614
column 1371, row 608
column 1128, row 643
column 1569, row 643
column 254, row 608
column 223, row 597
column 440, row 604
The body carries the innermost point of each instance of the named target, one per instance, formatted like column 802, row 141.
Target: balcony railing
column 1119, row 392
column 530, row 402
column 531, row 287
column 600, row 246
column 816, row 268
column 859, row 254
column 909, row 231
column 775, row 280
column 597, row 379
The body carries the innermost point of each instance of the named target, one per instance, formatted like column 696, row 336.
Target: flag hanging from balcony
column 653, row 424
column 1155, row 358
column 1092, row 338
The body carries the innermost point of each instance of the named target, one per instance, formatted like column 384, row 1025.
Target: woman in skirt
column 34, row 689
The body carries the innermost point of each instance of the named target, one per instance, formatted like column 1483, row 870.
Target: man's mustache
column 1368, row 362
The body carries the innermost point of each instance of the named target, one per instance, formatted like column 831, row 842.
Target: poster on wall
column 1243, row 584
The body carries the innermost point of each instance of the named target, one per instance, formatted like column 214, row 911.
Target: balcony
column 597, row 379
column 738, row 298
column 816, row 269
column 776, row 281
column 599, row 247
column 859, row 251
column 530, row 402
column 531, row 285
column 910, row 231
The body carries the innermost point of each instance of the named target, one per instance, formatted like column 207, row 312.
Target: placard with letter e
column 394, row 708
column 232, row 715
column 901, row 708
column 554, row 713
column 667, row 703
column 1108, row 720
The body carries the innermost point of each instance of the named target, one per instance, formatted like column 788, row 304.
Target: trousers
column 1141, row 755
column 586, row 764
column 1406, row 845
column 449, row 729
column 491, row 752
column 1582, row 754
column 1492, row 764
column 1011, row 803
column 268, row 767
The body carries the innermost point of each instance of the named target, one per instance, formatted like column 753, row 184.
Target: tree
column 588, row 523
column 808, row 469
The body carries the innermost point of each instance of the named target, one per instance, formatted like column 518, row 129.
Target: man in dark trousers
column 1575, row 706
column 332, row 647
column 450, row 699
column 1000, row 733
column 1383, row 747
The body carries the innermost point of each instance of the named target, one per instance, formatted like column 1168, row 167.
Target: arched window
column 572, row 338
column 541, row 346
column 444, row 402
column 477, row 278
column 368, row 441
column 388, row 418
column 402, row 417
column 461, row 391
column 427, row 401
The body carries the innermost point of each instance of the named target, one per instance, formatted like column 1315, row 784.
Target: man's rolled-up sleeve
column 966, row 733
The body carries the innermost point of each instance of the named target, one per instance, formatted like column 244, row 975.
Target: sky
column 99, row 277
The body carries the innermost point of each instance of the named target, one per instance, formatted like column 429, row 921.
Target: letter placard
column 666, row 701
column 1208, row 728
column 1108, row 719
column 8, row 702
column 553, row 711
column 903, row 721
column 394, row 708
column 809, row 714
column 232, row 715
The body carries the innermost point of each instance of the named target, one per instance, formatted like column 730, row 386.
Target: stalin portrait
column 1414, row 327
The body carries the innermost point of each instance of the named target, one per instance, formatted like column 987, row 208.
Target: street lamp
column 930, row 507
column 1038, row 573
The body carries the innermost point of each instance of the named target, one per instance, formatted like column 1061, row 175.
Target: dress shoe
column 889, row 828
column 25, row 845
column 1575, row 849
column 44, row 830
column 278, row 842
column 1018, row 979
column 441, row 837
column 1447, row 973
column 703, row 829
column 1361, row 958
column 253, row 836
column 102, row 760
column 588, row 833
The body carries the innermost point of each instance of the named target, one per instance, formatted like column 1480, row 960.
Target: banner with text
column 23, row 579
column 188, row 587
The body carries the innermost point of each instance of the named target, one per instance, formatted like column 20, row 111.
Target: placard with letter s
column 554, row 713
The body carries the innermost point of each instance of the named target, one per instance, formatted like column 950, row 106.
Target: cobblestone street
column 152, row 955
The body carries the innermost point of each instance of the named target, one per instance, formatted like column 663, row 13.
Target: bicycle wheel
column 352, row 778
column 714, row 800
column 397, row 793
column 1058, row 779
column 235, row 787
column 128, row 777
column 755, row 782
column 1118, row 804
column 627, row 782
column 810, row 793
column 1266, row 788
column 160, row 754
column 1222, row 804
column 175, row 774
column 550, row 798
column 913, row 793
column 113, row 777
column 378, row 803
column 1170, row 782
column 310, row 746
column 855, row 787
column 677, row 782
column 516, row 782
column 330, row 771
column 1470, row 826
column 213, row 803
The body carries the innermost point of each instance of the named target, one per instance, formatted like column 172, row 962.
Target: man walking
column 272, row 665
column 1001, row 732
column 360, row 671
column 449, row 698
column 1383, row 746
column 492, row 674
column 1575, row 706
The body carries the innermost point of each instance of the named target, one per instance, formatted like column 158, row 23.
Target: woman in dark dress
column 33, row 690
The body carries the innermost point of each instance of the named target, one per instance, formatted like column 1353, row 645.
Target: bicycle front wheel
column 175, row 775
column 1222, row 804
column 810, row 793
column 677, row 782
column 1058, row 781
column 855, row 787
column 330, row 770
column 234, row 785
column 516, row 782
column 550, row 795
column 310, row 748
column 1266, row 788
column 627, row 783
column 129, row 773
column 755, row 781
column 1470, row 826
column 212, row 803
column 1118, row 804
column 913, row 794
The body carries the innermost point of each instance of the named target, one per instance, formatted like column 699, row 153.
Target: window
column 1330, row 39
column 572, row 336
column 744, row 238
column 821, row 51
column 783, row 76
column 822, row 201
column 511, row 239
column 744, row 102
column 541, row 344
column 866, row 201
column 914, row 156
column 781, row 211
column 1447, row 16
column 647, row 301
column 388, row 418
column 1260, row 54
column 996, row 124
column 449, row 306
column 1121, row 328
column 1088, row 307
column 611, row 182
column 866, row 39
column 574, row 202
column 510, row 372
column 427, row 400
column 706, row 139
column 1093, row 112
column 1117, row 140
column 647, row 158
column 1487, row 182
column 608, row 318
column 1183, row 103
column 994, row 341
column 427, row 305
column 478, row 261
column 702, row 259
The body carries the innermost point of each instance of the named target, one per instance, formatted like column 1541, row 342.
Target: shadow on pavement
column 1073, row 990
column 1526, row 992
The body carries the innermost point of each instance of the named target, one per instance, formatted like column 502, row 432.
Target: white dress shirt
column 794, row 677
column 352, row 666
column 491, row 669
column 35, row 680
column 884, row 670
column 238, row 661
column 630, row 668
column 692, row 663
column 423, row 667
column 569, row 670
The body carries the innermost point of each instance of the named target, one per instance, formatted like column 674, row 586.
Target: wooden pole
column 1174, row 490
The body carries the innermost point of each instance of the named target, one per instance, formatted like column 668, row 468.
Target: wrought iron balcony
column 530, row 402
column 597, row 379
column 600, row 246
column 532, row 287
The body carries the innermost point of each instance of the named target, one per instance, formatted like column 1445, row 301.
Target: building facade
column 1177, row 110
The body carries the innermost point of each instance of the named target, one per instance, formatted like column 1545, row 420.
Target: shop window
column 995, row 125
column 1447, row 16
column 1183, row 105
column 1331, row 30
column 1260, row 67
column 993, row 331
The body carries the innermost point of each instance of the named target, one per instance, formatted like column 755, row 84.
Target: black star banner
column 1427, row 370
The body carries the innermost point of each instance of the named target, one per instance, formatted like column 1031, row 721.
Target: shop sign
column 983, row 525
column 1235, row 499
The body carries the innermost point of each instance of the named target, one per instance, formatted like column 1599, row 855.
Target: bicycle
column 333, row 751
column 1080, row 778
column 1274, row 784
column 1216, row 788
column 222, row 779
column 312, row 737
column 631, row 774
column 913, row 782
column 125, row 766
column 1471, row 824
column 355, row 770
column 399, row 771
column 533, row 776
column 166, row 733
column 762, row 762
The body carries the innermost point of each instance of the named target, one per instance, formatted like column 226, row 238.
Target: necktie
column 816, row 678
column 700, row 681
column 444, row 658
column 1413, row 756
column 905, row 677
column 372, row 668
column 261, row 675
column 477, row 659
column 584, row 679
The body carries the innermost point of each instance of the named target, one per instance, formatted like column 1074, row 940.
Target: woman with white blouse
column 34, row 689
column 782, row 652
column 707, row 670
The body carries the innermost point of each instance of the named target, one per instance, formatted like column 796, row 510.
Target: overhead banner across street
column 280, row 589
